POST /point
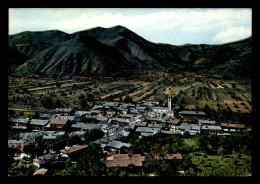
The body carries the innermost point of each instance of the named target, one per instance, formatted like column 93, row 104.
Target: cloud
column 147, row 22
column 232, row 34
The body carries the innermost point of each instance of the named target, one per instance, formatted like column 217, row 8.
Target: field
column 30, row 93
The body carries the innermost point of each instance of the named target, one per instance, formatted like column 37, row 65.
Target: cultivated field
column 191, row 91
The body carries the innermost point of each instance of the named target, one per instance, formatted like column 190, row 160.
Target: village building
column 19, row 122
column 47, row 116
column 144, row 131
column 192, row 115
column 108, row 129
column 38, row 124
column 64, row 111
column 110, row 113
column 52, row 135
column 25, row 139
column 119, row 121
column 73, row 152
column 206, row 122
column 45, row 160
column 210, row 129
column 124, row 160
column 169, row 157
column 82, row 113
column 58, row 124
column 41, row 172
column 116, row 147
column 79, row 133
column 141, row 124
column 154, row 100
column 85, row 126
column 231, row 128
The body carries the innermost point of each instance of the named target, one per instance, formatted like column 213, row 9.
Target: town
column 109, row 126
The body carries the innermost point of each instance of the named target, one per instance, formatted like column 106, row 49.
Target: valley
column 192, row 91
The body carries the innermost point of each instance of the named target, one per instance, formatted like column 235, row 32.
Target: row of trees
column 212, row 144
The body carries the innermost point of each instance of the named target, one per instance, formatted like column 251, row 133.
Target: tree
column 20, row 168
column 89, row 67
column 33, row 150
column 73, row 139
column 128, row 99
column 91, row 162
column 93, row 135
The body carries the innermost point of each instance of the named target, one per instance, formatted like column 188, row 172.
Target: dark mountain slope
column 119, row 51
column 31, row 43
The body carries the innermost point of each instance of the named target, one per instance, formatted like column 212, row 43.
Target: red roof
column 74, row 149
column 123, row 160
column 40, row 172
column 232, row 125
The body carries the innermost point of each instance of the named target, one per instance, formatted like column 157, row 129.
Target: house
column 194, row 129
column 86, row 126
column 73, row 152
column 172, row 132
column 79, row 133
column 65, row 111
column 39, row 124
column 160, row 109
column 19, row 122
column 108, row 129
column 170, row 156
column 170, row 114
column 110, row 114
column 147, row 130
column 47, row 116
column 192, row 115
column 52, row 135
column 154, row 125
column 141, row 124
column 127, row 116
column 112, row 104
column 41, row 172
column 206, row 122
column 154, row 100
column 82, row 113
column 19, row 144
column 172, row 124
column 230, row 128
column 141, row 109
column 44, row 160
column 119, row 121
column 58, row 124
column 124, row 160
column 210, row 129
column 25, row 139
column 116, row 147
column 184, row 128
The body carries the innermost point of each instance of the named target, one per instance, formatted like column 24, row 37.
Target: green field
column 189, row 90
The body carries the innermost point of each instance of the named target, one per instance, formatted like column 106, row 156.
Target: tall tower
column 170, row 101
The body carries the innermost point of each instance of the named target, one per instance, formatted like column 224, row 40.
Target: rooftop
column 74, row 148
column 210, row 127
column 123, row 160
column 118, row 144
column 193, row 112
column 39, row 122
column 41, row 171
column 57, row 121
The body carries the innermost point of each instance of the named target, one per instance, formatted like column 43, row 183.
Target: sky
column 175, row 26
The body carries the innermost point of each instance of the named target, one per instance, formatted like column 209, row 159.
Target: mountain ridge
column 118, row 51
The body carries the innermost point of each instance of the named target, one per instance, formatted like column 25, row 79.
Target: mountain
column 117, row 51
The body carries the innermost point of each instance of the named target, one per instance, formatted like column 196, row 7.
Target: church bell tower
column 170, row 101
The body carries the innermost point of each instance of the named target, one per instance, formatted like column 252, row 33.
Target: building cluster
column 116, row 120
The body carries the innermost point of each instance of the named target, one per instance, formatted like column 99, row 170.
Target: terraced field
column 192, row 92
